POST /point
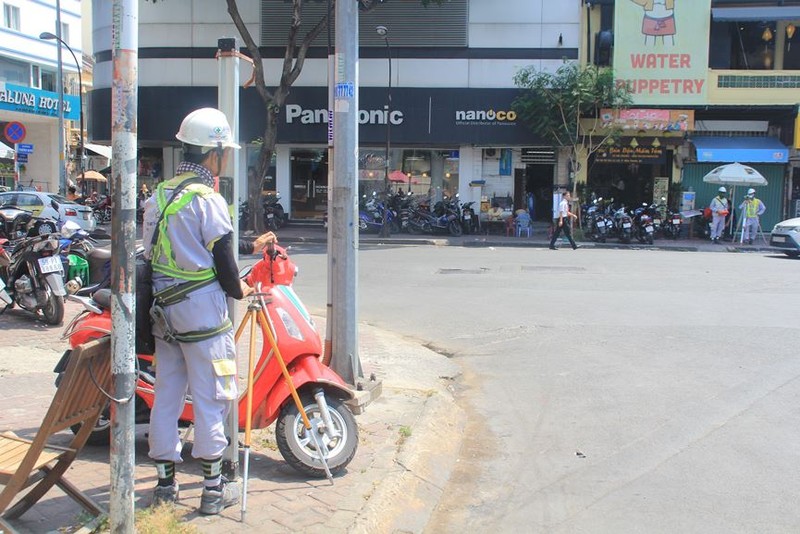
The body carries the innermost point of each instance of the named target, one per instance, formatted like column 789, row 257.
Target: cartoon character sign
column 658, row 21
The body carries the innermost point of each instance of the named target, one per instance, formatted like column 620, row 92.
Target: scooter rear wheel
column 298, row 448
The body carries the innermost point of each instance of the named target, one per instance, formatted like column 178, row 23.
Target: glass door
column 309, row 172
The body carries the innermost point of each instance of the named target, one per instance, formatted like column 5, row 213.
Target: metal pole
column 228, row 102
column 124, row 127
column 344, row 260
column 62, row 169
column 328, row 348
column 383, row 31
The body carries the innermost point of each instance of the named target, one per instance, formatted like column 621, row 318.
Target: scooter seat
column 103, row 298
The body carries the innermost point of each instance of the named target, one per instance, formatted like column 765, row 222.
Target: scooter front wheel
column 298, row 447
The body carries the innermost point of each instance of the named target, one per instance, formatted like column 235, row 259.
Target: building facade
column 712, row 82
column 29, row 97
column 453, row 129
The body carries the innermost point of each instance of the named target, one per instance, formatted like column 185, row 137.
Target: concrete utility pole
column 343, row 231
column 328, row 348
column 228, row 103
column 124, row 127
column 62, row 168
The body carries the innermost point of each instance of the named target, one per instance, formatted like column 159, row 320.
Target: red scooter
column 322, row 392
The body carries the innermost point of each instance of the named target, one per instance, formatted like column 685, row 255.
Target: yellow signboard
column 661, row 50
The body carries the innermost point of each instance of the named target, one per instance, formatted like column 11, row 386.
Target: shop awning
column 6, row 152
column 102, row 150
column 741, row 149
column 722, row 14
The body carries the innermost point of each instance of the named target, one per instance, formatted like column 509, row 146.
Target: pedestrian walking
column 719, row 211
column 194, row 268
column 752, row 209
column 562, row 222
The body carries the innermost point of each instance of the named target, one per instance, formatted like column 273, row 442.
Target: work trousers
column 717, row 226
column 750, row 228
column 206, row 368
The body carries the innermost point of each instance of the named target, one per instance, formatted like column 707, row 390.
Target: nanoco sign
column 297, row 113
column 37, row 102
column 485, row 117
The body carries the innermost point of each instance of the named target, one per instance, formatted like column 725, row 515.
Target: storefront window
column 751, row 46
column 151, row 167
column 423, row 172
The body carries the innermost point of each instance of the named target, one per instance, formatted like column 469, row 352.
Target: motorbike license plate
column 600, row 224
column 779, row 239
column 609, row 223
column 648, row 229
column 467, row 217
column 270, row 215
column 626, row 225
column 50, row 264
column 656, row 221
column 676, row 222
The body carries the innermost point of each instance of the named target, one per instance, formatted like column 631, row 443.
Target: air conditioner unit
column 489, row 152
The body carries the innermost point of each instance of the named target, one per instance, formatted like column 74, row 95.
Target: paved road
column 610, row 390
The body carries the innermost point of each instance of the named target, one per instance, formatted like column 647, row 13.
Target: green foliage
column 553, row 104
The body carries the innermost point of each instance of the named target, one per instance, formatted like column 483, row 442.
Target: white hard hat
column 206, row 127
column 722, row 189
column 751, row 191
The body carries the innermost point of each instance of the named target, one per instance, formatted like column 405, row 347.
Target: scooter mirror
column 245, row 271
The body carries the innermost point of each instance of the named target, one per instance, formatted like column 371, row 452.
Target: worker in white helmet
column 719, row 210
column 194, row 268
column 752, row 209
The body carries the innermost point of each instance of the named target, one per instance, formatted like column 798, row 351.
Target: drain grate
column 462, row 271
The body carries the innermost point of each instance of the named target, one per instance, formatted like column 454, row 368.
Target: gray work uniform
column 718, row 219
column 206, row 367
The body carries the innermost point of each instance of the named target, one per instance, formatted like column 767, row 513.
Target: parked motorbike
column 244, row 215
column 274, row 215
column 102, row 210
column 671, row 227
column 32, row 274
column 597, row 224
column 16, row 223
column 469, row 221
column 623, row 225
column 87, row 267
column 446, row 217
column 643, row 227
column 322, row 392
column 371, row 215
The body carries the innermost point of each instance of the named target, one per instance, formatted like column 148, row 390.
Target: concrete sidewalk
column 408, row 442
column 295, row 233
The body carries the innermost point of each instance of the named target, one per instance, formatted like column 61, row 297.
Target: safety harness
column 162, row 248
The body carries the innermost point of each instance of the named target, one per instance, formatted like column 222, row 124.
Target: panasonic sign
column 296, row 113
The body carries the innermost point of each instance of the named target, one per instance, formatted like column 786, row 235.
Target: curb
column 406, row 499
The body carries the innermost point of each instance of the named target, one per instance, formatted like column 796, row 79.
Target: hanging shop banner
column 661, row 50
column 629, row 154
column 37, row 102
column 658, row 120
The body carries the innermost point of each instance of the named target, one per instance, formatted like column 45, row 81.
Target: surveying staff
column 752, row 209
column 562, row 222
column 193, row 269
column 719, row 210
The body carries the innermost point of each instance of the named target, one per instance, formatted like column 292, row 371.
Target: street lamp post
column 383, row 31
column 49, row 37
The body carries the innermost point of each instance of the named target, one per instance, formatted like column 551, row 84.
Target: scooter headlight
column 288, row 323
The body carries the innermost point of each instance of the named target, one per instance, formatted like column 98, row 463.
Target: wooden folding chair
column 78, row 400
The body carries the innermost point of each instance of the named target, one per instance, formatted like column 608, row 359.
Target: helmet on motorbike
column 207, row 128
column 722, row 189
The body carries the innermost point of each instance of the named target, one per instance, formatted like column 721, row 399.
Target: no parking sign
column 15, row 132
